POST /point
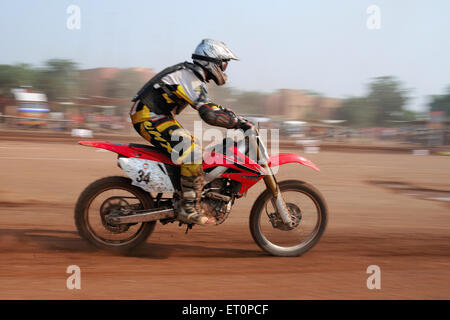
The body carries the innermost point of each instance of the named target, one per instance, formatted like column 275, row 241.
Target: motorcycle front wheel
column 310, row 211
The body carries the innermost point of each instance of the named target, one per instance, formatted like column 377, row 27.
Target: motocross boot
column 191, row 190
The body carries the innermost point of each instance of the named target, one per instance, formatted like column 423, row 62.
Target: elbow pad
column 215, row 115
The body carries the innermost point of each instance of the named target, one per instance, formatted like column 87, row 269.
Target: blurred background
column 348, row 73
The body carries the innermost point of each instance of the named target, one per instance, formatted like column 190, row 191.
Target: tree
column 387, row 98
column 357, row 111
column 16, row 76
column 59, row 79
column 383, row 103
column 441, row 103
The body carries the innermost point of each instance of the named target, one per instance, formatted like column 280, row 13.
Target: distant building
column 299, row 104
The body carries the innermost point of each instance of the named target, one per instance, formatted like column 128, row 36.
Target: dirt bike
column 119, row 213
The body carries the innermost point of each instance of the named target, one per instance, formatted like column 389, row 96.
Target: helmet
column 213, row 57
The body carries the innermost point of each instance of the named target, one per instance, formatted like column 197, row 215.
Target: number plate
column 149, row 175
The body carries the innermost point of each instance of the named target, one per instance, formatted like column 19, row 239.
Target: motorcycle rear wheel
column 110, row 239
column 275, row 240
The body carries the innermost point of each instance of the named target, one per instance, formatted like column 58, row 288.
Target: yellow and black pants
column 165, row 133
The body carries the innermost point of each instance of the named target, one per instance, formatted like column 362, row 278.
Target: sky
column 324, row 46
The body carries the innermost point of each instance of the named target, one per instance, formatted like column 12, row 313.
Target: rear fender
column 118, row 148
column 129, row 152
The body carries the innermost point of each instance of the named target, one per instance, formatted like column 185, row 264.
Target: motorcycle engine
column 217, row 200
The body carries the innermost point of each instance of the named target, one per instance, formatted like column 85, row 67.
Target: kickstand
column 189, row 226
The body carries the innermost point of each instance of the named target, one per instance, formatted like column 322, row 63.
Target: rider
column 166, row 95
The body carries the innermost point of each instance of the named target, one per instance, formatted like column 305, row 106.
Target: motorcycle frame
column 245, row 170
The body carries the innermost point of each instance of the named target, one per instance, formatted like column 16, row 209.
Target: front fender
column 283, row 158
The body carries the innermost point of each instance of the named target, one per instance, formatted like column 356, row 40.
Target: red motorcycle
column 119, row 213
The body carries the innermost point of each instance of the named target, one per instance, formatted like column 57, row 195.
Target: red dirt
column 409, row 238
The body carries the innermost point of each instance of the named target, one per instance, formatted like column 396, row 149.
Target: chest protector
column 151, row 94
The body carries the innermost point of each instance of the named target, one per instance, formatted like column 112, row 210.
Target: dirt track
column 409, row 238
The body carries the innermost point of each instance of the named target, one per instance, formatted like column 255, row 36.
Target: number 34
column 145, row 177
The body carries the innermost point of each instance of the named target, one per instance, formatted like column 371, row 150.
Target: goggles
column 224, row 65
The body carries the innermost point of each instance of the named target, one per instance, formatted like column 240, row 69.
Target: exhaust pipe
column 145, row 216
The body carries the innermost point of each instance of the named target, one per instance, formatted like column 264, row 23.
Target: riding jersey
column 170, row 91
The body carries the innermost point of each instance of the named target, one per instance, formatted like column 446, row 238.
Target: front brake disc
column 296, row 215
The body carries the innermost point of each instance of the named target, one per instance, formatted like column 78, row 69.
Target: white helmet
column 213, row 57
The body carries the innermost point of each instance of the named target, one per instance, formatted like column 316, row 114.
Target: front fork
column 277, row 199
column 271, row 183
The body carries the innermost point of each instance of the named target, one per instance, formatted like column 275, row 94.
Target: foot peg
column 197, row 218
column 193, row 217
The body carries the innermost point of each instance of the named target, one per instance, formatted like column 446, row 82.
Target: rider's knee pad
column 191, row 169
